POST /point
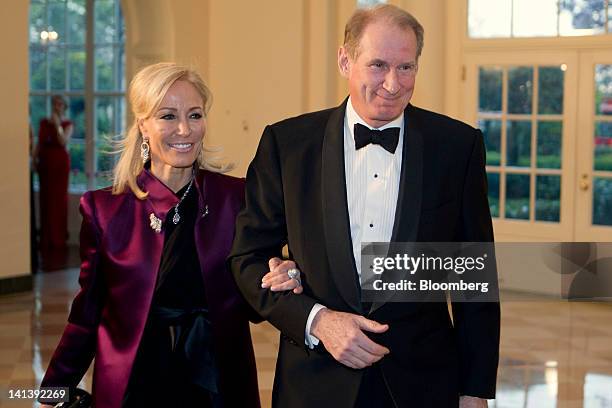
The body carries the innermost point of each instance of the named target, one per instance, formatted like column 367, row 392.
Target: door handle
column 584, row 182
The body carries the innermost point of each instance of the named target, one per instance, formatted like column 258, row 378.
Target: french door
column 547, row 122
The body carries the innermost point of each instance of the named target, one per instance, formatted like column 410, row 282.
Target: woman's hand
column 278, row 279
column 56, row 119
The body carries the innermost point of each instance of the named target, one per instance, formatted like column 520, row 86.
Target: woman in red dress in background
column 53, row 166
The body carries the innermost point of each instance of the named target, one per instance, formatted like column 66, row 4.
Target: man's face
column 381, row 78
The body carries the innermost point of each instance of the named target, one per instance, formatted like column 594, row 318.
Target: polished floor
column 553, row 354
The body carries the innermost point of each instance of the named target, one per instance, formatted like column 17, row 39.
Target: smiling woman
column 175, row 134
column 170, row 103
column 157, row 306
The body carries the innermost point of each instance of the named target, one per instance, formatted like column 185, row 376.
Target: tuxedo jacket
column 121, row 255
column 296, row 195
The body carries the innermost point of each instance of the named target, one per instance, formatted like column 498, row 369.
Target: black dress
column 174, row 365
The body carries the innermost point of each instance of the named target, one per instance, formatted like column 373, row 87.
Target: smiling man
column 374, row 169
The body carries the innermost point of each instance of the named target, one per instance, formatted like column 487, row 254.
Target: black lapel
column 408, row 210
column 336, row 222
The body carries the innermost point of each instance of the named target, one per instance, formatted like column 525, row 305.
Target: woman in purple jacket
column 157, row 307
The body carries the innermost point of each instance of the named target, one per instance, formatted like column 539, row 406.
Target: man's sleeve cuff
column 312, row 341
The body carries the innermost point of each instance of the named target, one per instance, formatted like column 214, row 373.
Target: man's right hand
column 342, row 335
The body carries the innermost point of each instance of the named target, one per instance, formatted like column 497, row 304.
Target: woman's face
column 176, row 130
column 59, row 106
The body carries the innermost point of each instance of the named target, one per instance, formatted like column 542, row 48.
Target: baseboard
column 15, row 284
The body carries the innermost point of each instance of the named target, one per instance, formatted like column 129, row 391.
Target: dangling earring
column 144, row 150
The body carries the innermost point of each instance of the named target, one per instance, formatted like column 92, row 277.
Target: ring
column 294, row 273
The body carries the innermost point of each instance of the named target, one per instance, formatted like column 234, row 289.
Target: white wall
column 14, row 167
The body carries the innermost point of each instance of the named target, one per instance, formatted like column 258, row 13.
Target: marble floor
column 553, row 354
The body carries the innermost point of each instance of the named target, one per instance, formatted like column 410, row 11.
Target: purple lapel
column 214, row 233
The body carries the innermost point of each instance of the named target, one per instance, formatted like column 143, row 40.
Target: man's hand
column 278, row 280
column 472, row 402
column 342, row 335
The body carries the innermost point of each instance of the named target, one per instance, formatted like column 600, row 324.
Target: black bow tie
column 387, row 138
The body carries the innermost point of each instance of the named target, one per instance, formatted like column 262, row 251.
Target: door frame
column 585, row 231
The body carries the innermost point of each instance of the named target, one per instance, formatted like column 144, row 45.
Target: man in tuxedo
column 374, row 169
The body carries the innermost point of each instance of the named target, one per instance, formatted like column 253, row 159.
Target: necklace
column 177, row 217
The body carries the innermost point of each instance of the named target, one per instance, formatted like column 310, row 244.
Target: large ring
column 294, row 273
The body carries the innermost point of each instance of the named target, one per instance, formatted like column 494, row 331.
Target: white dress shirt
column 372, row 184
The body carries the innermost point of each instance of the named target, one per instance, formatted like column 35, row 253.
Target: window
column 602, row 154
column 544, row 105
column 77, row 51
column 597, row 390
column 369, row 3
column 520, row 113
column 541, row 18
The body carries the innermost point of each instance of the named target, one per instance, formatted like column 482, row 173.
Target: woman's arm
column 63, row 135
column 67, row 133
column 76, row 348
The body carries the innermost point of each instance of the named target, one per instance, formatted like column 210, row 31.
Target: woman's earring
column 144, row 150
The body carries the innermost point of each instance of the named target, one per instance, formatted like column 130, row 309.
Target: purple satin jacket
column 120, row 255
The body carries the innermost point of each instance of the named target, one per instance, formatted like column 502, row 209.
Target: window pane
column 520, row 89
column 105, row 21
column 38, row 110
column 603, row 89
column 491, row 130
column 602, row 201
column 78, row 178
column 549, row 145
column 105, row 162
column 76, row 61
column 105, row 117
column 105, row 68
column 122, row 128
column 76, row 21
column 550, row 98
column 489, row 18
column 548, row 198
column 121, row 27
column 517, row 196
column 105, row 131
column 518, row 140
column 369, row 3
column 38, row 69
column 534, row 18
column 76, row 113
column 57, row 21
column 57, row 68
column 76, row 146
column 581, row 17
column 490, row 90
column 38, row 20
column 597, row 390
column 603, row 146
column 493, row 179
column 122, row 84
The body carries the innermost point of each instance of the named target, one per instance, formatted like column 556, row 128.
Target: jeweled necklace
column 177, row 217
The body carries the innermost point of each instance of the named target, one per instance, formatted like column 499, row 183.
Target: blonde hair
column 394, row 15
column 147, row 90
